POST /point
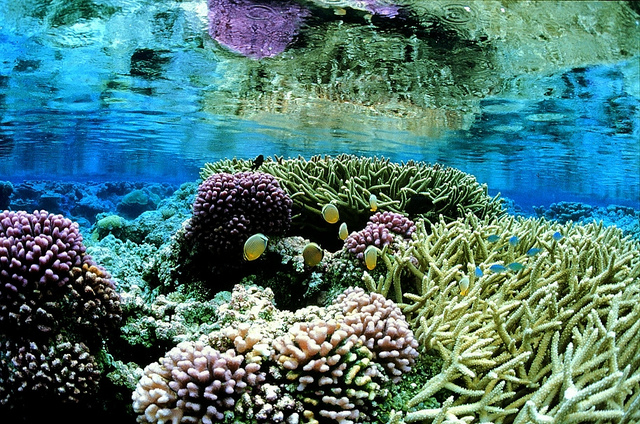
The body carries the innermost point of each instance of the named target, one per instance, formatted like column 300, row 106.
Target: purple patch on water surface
column 255, row 29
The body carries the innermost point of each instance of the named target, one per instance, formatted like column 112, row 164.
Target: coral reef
column 81, row 202
column 379, row 232
column 229, row 208
column 57, row 308
column 547, row 332
column 338, row 358
column 33, row 373
column 348, row 182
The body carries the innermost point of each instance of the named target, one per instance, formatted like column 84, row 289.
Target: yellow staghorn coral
column 549, row 331
column 348, row 182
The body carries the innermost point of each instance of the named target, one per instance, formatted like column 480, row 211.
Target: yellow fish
column 343, row 233
column 373, row 203
column 464, row 286
column 312, row 254
column 371, row 257
column 255, row 246
column 330, row 213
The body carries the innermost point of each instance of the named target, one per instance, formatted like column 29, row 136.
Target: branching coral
column 379, row 232
column 56, row 308
column 548, row 331
column 348, row 181
column 338, row 358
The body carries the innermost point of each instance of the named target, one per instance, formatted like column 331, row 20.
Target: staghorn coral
column 551, row 340
column 338, row 358
column 229, row 208
column 347, row 181
column 379, row 232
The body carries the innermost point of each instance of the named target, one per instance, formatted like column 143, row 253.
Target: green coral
column 348, row 181
column 553, row 339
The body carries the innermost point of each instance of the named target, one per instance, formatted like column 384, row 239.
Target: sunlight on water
column 121, row 91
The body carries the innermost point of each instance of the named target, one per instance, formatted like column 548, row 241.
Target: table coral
column 551, row 340
column 348, row 181
column 338, row 358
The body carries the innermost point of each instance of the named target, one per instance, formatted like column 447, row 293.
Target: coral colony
column 452, row 313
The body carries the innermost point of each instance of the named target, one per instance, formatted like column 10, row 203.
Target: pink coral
column 379, row 232
column 194, row 383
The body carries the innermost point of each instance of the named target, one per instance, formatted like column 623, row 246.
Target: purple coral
column 194, row 383
column 255, row 29
column 37, row 253
column 44, row 271
column 379, row 232
column 61, row 372
column 229, row 208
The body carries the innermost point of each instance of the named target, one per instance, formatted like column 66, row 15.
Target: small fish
column 479, row 272
column 373, row 203
column 371, row 257
column 497, row 268
column 255, row 246
column 515, row 266
column 257, row 162
column 312, row 254
column 557, row 236
column 514, row 240
column 464, row 286
column 330, row 213
column 533, row 251
column 343, row 233
column 493, row 238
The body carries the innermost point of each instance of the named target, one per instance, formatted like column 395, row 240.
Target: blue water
column 72, row 112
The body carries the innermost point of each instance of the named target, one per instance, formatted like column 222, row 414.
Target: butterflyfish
column 373, row 203
column 464, row 286
column 343, row 233
column 255, row 246
column 312, row 254
column 330, row 213
column 493, row 238
column 371, row 257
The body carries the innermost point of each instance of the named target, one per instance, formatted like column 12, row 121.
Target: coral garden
column 470, row 314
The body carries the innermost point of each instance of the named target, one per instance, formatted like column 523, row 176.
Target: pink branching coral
column 382, row 327
column 194, row 383
column 313, row 365
column 379, row 232
column 229, row 208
